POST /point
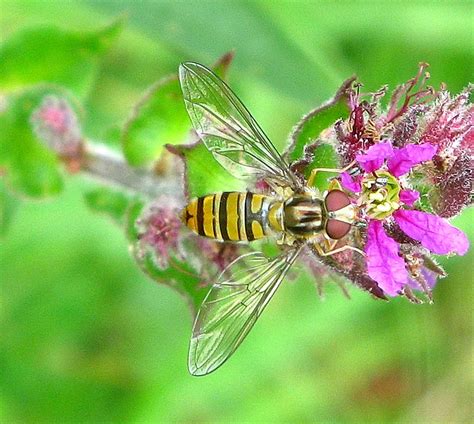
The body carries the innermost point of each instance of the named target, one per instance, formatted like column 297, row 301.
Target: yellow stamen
column 377, row 196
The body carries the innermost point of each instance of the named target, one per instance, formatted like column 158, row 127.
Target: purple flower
column 415, row 153
column 383, row 198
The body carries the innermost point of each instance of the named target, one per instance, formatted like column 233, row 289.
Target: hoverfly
column 295, row 215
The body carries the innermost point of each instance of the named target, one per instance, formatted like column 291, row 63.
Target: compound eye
column 335, row 200
column 337, row 229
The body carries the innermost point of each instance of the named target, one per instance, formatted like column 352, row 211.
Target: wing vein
column 228, row 129
column 227, row 315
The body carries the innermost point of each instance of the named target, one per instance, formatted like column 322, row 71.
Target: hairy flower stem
column 101, row 163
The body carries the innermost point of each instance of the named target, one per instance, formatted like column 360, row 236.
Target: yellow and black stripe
column 229, row 216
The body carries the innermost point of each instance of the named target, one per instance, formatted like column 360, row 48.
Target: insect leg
column 322, row 252
column 312, row 176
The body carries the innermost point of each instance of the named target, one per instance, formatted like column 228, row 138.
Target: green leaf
column 111, row 202
column 31, row 169
column 51, row 54
column 160, row 118
column 8, row 207
column 308, row 130
column 202, row 173
column 324, row 157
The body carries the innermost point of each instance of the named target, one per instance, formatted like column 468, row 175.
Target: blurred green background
column 86, row 337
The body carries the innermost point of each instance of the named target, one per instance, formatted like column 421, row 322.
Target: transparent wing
column 232, row 307
column 228, row 129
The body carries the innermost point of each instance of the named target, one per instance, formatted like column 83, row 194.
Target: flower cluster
column 412, row 169
column 381, row 197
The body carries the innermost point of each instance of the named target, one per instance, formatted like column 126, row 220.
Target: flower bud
column 159, row 230
column 55, row 123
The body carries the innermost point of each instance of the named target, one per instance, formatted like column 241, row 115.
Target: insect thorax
column 304, row 215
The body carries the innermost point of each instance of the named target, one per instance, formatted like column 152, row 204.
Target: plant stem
column 102, row 163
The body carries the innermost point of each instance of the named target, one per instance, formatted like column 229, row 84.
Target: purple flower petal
column 409, row 197
column 350, row 183
column 375, row 156
column 429, row 276
column 407, row 157
column 384, row 265
column 432, row 232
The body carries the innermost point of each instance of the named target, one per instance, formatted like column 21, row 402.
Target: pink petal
column 429, row 276
column 384, row 265
column 432, row 232
column 407, row 157
column 375, row 156
column 350, row 183
column 409, row 197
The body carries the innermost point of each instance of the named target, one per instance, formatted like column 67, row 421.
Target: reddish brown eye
column 335, row 200
column 337, row 229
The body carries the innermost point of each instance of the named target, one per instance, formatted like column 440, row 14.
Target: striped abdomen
column 233, row 216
